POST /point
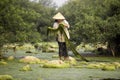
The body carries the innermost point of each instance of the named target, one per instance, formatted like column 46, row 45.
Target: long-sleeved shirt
column 60, row 37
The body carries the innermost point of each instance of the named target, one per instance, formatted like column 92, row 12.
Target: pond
column 39, row 73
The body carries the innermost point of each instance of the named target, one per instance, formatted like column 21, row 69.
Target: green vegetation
column 24, row 52
column 26, row 68
column 94, row 21
column 24, row 21
column 91, row 21
column 6, row 77
column 56, row 64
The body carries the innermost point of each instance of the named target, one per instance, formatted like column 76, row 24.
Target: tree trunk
column 114, row 49
column 113, row 52
column 0, row 53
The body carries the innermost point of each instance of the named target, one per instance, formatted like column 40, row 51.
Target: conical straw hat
column 58, row 16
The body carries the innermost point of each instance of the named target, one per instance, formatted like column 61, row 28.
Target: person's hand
column 65, row 25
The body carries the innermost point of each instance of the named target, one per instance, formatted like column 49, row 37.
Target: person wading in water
column 60, row 19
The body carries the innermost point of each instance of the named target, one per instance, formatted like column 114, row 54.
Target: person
column 60, row 19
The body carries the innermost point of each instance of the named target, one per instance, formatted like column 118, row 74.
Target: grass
column 39, row 73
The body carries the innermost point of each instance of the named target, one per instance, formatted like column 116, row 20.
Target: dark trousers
column 62, row 49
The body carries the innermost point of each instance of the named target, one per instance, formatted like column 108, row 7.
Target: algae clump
column 71, row 60
column 56, row 64
column 30, row 60
column 6, row 77
column 55, row 56
column 109, row 68
column 10, row 58
column 94, row 66
column 3, row 63
column 117, row 64
column 26, row 68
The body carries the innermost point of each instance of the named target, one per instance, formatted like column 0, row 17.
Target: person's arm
column 66, row 24
column 55, row 25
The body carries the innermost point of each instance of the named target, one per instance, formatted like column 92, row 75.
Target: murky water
column 110, row 79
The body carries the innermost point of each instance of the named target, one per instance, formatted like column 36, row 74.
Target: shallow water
column 110, row 79
column 38, row 73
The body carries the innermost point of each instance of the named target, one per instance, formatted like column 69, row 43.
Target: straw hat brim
column 58, row 16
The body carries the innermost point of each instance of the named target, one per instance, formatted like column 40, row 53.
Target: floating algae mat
column 26, row 68
column 104, row 66
column 32, row 60
column 3, row 63
column 6, row 77
column 56, row 64
column 60, row 63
